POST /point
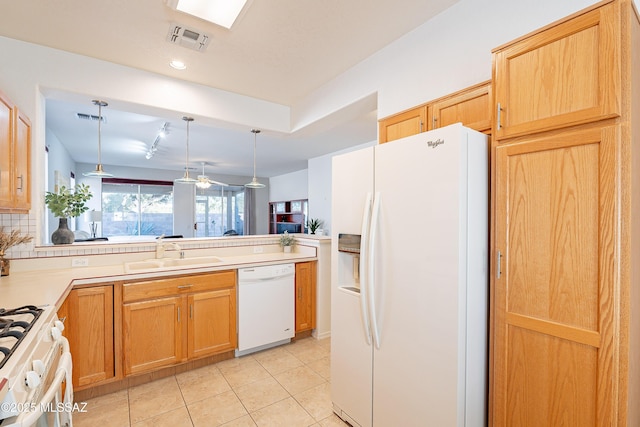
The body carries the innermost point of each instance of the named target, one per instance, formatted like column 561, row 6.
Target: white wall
column 449, row 52
column 290, row 186
column 445, row 54
column 320, row 186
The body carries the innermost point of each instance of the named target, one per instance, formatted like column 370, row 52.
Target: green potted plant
column 7, row 240
column 286, row 241
column 64, row 204
column 313, row 225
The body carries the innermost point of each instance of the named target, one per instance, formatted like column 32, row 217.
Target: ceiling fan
column 205, row 182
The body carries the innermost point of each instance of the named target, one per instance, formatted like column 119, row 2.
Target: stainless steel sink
column 170, row 263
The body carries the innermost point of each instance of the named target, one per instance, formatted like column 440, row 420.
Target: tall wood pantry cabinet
column 565, row 294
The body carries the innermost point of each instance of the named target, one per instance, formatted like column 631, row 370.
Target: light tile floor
column 283, row 386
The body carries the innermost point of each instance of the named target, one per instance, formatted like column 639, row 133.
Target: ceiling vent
column 90, row 117
column 189, row 38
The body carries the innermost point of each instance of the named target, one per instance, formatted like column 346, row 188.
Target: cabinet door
column 152, row 334
column 404, row 124
column 471, row 107
column 22, row 166
column 555, row 361
column 212, row 322
column 566, row 75
column 6, row 135
column 89, row 328
column 305, row 296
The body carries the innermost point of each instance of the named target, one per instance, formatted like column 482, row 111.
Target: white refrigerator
column 409, row 312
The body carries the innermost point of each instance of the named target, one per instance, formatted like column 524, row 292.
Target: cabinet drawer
column 178, row 285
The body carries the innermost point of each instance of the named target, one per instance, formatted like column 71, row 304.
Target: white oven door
column 55, row 404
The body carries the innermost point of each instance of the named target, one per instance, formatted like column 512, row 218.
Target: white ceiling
column 278, row 51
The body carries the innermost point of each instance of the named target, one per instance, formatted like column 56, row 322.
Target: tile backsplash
column 26, row 223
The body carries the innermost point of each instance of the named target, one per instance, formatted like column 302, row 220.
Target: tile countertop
column 41, row 287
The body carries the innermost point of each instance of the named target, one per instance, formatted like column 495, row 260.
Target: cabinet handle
column 184, row 286
column 20, row 186
column 499, row 114
column 421, row 125
column 499, row 265
column 433, row 122
column 178, row 314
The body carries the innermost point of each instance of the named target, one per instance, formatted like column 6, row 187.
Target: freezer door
column 351, row 355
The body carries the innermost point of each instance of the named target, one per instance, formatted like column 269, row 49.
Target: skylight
column 220, row 12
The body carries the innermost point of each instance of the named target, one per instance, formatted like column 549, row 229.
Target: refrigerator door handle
column 371, row 278
column 364, row 281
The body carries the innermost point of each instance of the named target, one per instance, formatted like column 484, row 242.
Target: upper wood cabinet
column 471, row 107
column 565, row 75
column 15, row 158
column 404, row 124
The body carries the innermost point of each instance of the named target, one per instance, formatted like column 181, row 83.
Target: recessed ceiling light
column 220, row 12
column 178, row 65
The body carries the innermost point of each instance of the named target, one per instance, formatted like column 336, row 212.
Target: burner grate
column 8, row 327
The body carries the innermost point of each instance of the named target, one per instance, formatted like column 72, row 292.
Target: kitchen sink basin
column 166, row 263
column 192, row 261
column 142, row 265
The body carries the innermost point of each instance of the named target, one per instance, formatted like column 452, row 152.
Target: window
column 136, row 208
column 219, row 210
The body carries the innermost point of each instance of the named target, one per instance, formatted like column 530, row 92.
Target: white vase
column 286, row 249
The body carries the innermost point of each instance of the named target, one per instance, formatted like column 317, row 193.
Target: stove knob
column 58, row 324
column 56, row 333
column 38, row 367
column 32, row 379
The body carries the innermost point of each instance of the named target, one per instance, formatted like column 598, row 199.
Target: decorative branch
column 10, row 239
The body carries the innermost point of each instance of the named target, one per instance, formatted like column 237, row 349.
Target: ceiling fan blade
column 218, row 183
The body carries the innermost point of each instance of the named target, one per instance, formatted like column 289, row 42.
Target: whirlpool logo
column 434, row 144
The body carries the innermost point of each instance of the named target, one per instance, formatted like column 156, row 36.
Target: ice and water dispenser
column 349, row 261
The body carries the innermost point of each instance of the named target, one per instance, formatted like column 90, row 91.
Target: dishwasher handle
column 282, row 276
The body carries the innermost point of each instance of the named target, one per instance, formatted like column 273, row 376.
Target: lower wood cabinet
column 212, row 322
column 305, row 296
column 152, row 334
column 88, row 314
column 169, row 321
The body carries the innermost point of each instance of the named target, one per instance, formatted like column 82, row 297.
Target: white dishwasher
column 266, row 307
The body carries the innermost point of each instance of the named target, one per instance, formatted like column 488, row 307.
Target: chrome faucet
column 162, row 246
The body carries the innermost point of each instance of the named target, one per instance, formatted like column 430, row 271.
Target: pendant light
column 205, row 182
column 186, row 179
column 99, row 172
column 254, row 182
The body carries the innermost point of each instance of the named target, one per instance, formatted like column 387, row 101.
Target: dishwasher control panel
column 266, row 272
